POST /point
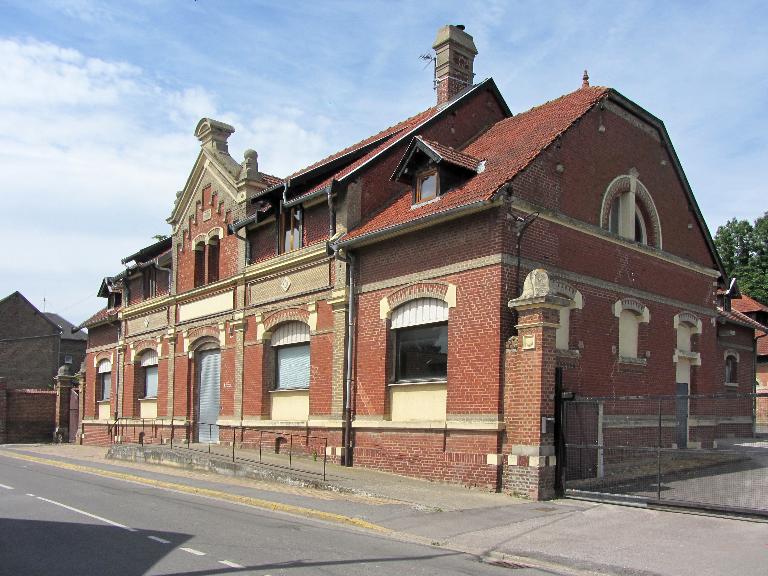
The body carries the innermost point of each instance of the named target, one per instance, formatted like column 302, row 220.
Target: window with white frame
column 292, row 360
column 631, row 313
column 104, row 380
column 148, row 364
column 420, row 330
column 629, row 211
column 563, row 331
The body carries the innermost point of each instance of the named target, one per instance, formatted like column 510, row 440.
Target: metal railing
column 302, row 447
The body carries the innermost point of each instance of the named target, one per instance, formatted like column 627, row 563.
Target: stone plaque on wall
column 149, row 322
column 290, row 283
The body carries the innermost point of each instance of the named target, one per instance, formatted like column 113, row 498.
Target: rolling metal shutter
column 421, row 311
column 291, row 341
column 209, row 364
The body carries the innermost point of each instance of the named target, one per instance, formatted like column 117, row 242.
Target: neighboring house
column 34, row 344
column 413, row 296
column 758, row 312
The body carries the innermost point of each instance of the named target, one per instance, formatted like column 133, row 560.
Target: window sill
column 568, row 353
column 284, row 390
column 633, row 361
column 416, row 382
column 103, row 402
column 731, row 384
column 425, row 202
column 147, row 398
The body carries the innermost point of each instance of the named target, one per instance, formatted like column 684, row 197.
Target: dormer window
column 290, row 229
column 426, row 186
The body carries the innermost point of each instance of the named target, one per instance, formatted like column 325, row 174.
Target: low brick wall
column 26, row 415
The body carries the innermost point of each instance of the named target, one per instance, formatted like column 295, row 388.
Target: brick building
column 34, row 344
column 412, row 296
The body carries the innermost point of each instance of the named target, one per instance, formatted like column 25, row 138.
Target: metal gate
column 209, row 368
column 687, row 450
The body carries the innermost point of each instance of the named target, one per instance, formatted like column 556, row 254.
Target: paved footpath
column 559, row 537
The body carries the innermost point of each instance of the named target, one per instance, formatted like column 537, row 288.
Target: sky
column 99, row 102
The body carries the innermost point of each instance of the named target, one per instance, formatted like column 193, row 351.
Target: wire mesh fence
column 693, row 450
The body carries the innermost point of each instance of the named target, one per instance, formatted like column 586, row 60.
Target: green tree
column 743, row 247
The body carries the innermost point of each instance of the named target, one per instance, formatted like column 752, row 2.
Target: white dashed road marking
column 230, row 564
column 31, row 495
column 84, row 513
column 193, row 551
column 158, row 539
column 6, row 487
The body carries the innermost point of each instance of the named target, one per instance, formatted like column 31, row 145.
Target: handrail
column 158, row 425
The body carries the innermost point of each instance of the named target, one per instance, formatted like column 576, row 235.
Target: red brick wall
column 102, row 335
column 30, row 415
column 228, row 247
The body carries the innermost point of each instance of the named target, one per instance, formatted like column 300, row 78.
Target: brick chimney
column 454, row 57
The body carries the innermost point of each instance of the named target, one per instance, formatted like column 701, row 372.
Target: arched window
column 631, row 313
column 563, row 332
column 421, row 340
column 629, row 211
column 199, row 264
column 104, row 380
column 148, row 364
column 213, row 260
column 292, row 363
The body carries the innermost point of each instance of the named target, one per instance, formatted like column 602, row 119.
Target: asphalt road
column 56, row 521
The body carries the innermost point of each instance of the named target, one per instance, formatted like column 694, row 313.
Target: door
column 208, row 369
column 681, row 412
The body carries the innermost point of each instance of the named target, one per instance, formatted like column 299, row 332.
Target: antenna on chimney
column 427, row 58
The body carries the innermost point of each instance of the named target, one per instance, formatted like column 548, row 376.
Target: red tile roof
column 508, row 147
column 453, row 156
column 384, row 135
column 739, row 318
column 105, row 314
column 746, row 304
column 270, row 180
column 762, row 345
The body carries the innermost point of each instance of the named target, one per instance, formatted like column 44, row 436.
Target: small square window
column 426, row 187
column 67, row 359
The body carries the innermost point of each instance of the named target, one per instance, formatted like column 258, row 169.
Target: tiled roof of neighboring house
column 270, row 180
column 742, row 319
column 103, row 315
column 67, row 328
column 507, row 147
column 762, row 345
column 746, row 304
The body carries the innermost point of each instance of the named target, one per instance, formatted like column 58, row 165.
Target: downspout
column 521, row 225
column 350, row 334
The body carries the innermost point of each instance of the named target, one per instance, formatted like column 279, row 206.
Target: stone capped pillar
column 529, row 390
column 63, row 389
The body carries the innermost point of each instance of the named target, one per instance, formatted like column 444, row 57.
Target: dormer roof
column 438, row 154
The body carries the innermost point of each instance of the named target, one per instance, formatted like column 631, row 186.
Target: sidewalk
column 564, row 536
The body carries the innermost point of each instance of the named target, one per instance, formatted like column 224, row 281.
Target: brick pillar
column 3, row 410
column 63, row 389
column 529, row 390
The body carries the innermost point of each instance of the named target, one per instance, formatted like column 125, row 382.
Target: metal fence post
column 658, row 458
column 325, row 457
column 234, row 431
column 290, row 451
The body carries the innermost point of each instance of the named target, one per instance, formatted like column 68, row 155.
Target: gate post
column 63, row 392
column 529, row 390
